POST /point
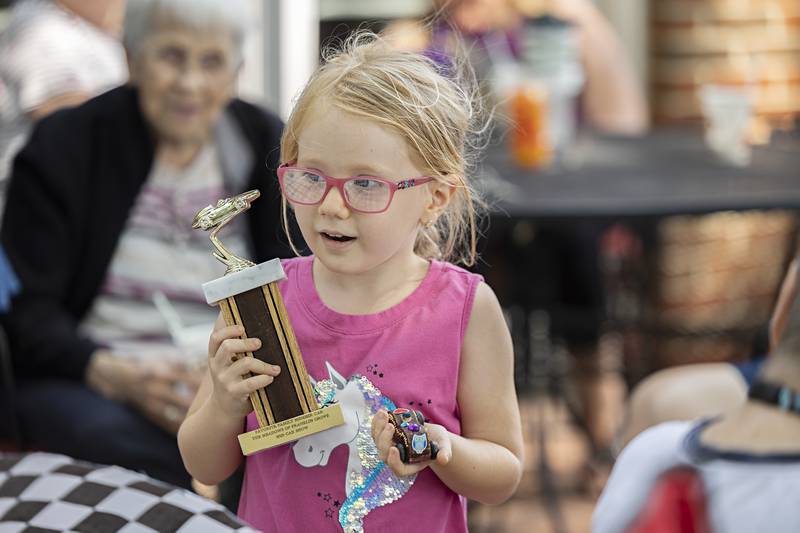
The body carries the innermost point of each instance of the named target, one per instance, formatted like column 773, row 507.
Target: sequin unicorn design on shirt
column 369, row 483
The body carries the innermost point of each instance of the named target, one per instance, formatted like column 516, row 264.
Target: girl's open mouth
column 337, row 238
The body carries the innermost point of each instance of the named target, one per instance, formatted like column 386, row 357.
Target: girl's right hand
column 235, row 376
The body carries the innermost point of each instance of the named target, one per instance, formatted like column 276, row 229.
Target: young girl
column 374, row 169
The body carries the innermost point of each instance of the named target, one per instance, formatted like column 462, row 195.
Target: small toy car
column 410, row 437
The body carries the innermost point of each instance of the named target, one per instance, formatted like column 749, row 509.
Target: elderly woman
column 98, row 220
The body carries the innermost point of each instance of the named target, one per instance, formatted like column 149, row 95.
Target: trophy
column 248, row 295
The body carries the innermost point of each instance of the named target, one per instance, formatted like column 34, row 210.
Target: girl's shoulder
column 450, row 273
column 456, row 290
column 298, row 274
column 293, row 265
column 454, row 279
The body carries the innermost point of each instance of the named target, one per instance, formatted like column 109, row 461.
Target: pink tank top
column 405, row 356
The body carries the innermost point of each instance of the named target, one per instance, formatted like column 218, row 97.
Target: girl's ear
column 440, row 196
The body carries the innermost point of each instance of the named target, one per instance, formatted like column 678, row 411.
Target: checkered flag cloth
column 43, row 492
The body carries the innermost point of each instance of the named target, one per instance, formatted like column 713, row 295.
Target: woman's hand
column 165, row 393
column 382, row 432
column 113, row 377
column 160, row 391
column 234, row 376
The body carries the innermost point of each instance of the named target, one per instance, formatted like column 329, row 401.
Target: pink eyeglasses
column 365, row 194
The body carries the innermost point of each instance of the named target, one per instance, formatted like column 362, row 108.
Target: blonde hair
column 432, row 111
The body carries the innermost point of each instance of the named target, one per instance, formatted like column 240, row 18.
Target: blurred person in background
column 54, row 54
column 612, row 100
column 747, row 453
column 688, row 392
column 101, row 201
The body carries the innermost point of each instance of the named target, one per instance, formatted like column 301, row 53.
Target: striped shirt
column 158, row 251
column 46, row 52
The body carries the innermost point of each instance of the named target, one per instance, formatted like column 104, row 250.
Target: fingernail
column 276, row 368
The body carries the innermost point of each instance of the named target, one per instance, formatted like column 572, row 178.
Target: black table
column 667, row 172
column 542, row 245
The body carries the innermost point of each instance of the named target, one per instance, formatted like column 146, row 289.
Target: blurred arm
column 60, row 101
column 613, row 99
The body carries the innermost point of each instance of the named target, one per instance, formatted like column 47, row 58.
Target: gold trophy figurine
column 248, row 295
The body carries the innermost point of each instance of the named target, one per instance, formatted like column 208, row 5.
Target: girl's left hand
column 382, row 432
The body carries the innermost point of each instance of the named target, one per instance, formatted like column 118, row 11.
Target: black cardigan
column 72, row 187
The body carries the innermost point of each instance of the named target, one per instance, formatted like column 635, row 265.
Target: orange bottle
column 530, row 143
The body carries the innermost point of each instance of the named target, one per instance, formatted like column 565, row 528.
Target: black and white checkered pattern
column 43, row 492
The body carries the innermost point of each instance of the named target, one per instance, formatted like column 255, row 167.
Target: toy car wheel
column 434, row 450
column 403, row 453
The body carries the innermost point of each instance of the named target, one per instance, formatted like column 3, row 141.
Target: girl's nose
column 333, row 204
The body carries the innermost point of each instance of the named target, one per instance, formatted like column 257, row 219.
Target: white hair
column 143, row 16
